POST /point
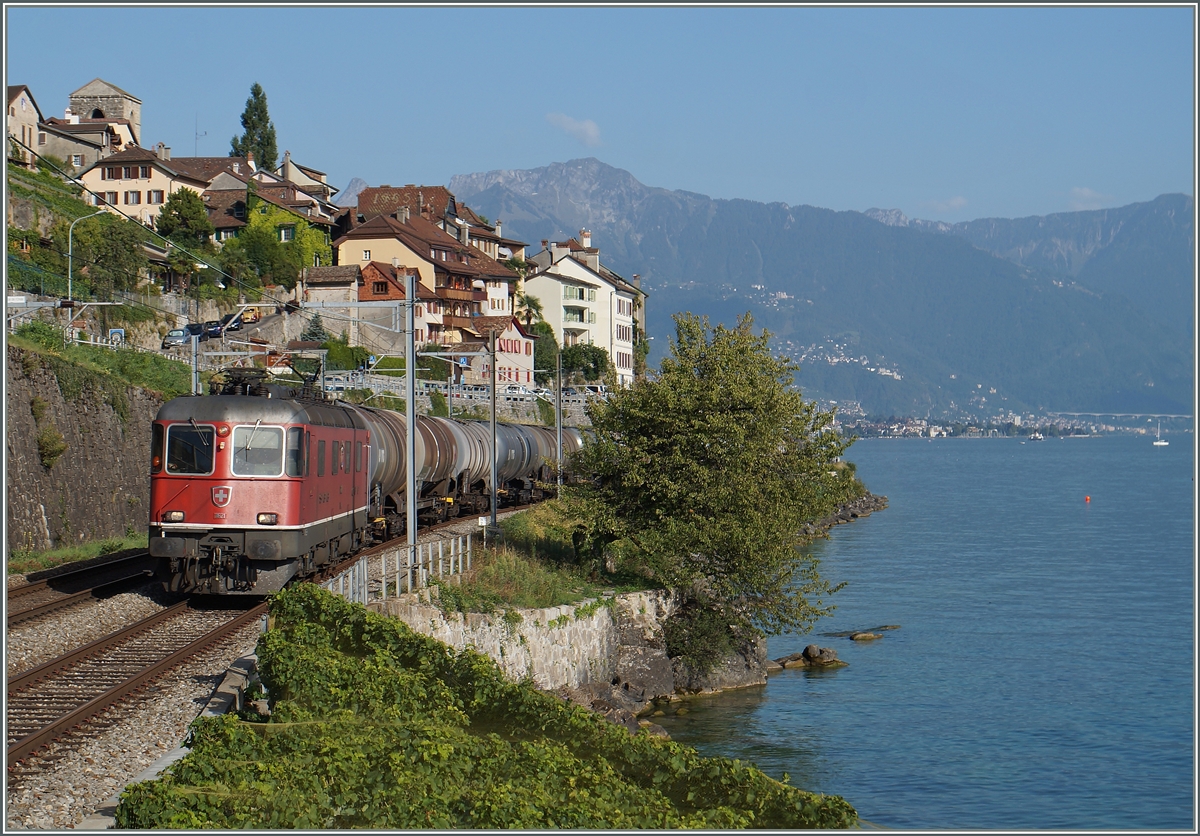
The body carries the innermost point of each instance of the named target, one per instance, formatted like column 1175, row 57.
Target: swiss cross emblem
column 221, row 495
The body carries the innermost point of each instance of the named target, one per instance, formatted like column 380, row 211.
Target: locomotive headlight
column 268, row 519
column 173, row 516
column 222, row 431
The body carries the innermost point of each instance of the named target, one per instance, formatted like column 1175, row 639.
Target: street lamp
column 70, row 248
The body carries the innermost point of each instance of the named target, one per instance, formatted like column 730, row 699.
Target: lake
column 1042, row 676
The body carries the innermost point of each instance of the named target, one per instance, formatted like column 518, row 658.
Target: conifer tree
column 259, row 131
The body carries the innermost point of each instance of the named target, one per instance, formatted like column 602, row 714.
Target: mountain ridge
column 921, row 310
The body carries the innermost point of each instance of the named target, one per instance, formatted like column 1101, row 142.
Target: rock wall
column 566, row 647
column 99, row 485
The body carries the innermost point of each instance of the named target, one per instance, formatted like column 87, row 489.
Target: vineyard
column 375, row 726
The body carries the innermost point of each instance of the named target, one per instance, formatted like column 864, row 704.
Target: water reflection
column 734, row 725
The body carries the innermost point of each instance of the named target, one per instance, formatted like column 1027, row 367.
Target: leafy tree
column 106, row 254
column 184, row 220
column 703, row 477
column 545, row 351
column 590, row 361
column 258, row 135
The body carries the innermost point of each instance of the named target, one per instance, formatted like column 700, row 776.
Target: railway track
column 40, row 598
column 45, row 703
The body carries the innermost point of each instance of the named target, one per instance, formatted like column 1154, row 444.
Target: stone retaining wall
column 557, row 647
column 99, row 486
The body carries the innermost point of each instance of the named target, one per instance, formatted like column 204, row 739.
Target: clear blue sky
column 945, row 113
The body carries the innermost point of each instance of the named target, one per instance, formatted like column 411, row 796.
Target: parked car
column 230, row 323
column 599, row 390
column 515, row 389
column 542, row 393
column 213, row 328
column 175, row 337
column 196, row 329
column 570, row 392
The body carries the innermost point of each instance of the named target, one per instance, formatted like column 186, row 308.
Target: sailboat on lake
column 1159, row 441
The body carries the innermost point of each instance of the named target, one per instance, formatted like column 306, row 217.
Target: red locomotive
column 258, row 484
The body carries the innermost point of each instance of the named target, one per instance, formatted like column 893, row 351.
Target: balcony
column 455, row 294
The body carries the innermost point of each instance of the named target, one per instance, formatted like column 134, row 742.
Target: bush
column 51, row 445
column 373, row 726
column 42, row 333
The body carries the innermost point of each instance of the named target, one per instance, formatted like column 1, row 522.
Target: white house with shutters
column 585, row 302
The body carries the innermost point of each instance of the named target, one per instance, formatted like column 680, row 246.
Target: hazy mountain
column 1143, row 250
column 908, row 318
column 349, row 195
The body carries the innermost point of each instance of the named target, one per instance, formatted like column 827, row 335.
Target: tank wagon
column 258, row 484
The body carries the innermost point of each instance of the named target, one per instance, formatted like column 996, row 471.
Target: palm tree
column 527, row 308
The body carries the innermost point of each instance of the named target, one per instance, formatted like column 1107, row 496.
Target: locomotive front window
column 190, row 449
column 257, row 451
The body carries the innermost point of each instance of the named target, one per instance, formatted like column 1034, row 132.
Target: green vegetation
column 546, row 412
column 589, row 362
column 104, row 252
column 702, row 480
column 105, row 369
column 184, row 219
column 438, row 405
column 545, row 351
column 512, row 579
column 51, row 445
column 27, row 561
column 258, row 132
column 374, row 726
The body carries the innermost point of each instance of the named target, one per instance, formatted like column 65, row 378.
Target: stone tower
column 100, row 100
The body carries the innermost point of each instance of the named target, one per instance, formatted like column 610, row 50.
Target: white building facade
column 585, row 302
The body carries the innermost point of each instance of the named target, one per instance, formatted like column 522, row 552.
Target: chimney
column 402, row 214
column 585, row 238
column 464, row 234
column 163, row 152
column 498, row 233
column 249, row 161
column 545, row 244
column 395, row 262
column 286, row 165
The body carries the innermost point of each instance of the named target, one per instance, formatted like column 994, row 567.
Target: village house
column 23, row 118
column 440, row 207
column 586, row 303
column 135, row 182
column 467, row 281
column 514, row 353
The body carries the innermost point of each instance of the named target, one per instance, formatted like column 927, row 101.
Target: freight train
column 257, row 484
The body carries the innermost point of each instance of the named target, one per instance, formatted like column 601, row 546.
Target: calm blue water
column 1042, row 675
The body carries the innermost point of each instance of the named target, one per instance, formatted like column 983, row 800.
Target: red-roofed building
column 466, row 280
column 136, row 182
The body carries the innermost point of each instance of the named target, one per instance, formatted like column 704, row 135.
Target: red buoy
column 1087, row 499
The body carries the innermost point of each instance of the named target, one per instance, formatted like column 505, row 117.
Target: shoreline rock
column 812, row 657
column 864, row 506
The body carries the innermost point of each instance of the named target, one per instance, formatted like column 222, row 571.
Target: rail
column 29, row 732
